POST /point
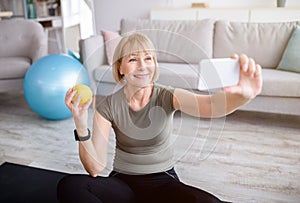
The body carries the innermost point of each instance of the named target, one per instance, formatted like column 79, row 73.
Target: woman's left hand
column 250, row 81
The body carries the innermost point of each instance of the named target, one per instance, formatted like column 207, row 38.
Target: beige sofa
column 21, row 43
column 182, row 45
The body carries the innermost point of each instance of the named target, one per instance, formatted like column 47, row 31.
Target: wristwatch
column 79, row 138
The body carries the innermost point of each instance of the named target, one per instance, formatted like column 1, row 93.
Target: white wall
column 293, row 3
column 232, row 3
column 109, row 13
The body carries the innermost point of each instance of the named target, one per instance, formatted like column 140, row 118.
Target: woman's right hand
column 79, row 112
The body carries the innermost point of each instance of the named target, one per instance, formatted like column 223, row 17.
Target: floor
column 245, row 157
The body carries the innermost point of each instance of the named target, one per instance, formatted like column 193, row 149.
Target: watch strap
column 79, row 138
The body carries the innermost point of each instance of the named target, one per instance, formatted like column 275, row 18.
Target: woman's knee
column 71, row 186
column 64, row 186
column 84, row 188
column 68, row 183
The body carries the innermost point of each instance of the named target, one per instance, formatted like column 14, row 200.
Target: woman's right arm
column 92, row 152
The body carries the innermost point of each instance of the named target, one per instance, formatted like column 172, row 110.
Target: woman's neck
column 138, row 98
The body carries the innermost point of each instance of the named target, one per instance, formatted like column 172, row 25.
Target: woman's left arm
column 226, row 101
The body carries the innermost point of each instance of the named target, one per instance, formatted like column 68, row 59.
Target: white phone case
column 218, row 72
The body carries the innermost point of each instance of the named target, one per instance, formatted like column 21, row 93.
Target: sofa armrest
column 39, row 47
column 92, row 54
column 24, row 38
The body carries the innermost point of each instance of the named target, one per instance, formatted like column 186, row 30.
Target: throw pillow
column 290, row 60
column 111, row 40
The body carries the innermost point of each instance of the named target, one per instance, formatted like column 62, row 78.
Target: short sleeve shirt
column 143, row 143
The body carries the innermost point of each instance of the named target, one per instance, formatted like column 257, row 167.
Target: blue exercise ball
column 47, row 81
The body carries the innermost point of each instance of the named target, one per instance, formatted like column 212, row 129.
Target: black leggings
column 121, row 188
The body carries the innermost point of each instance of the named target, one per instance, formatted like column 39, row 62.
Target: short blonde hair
column 132, row 43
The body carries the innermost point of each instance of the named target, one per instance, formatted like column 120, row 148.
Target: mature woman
column 141, row 115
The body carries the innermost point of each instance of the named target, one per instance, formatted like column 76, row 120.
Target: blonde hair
column 132, row 43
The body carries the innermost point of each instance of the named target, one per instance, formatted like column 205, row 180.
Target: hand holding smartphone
column 218, row 72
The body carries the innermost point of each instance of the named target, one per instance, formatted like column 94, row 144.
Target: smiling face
column 135, row 61
column 138, row 69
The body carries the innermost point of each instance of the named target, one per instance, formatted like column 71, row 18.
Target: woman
column 141, row 114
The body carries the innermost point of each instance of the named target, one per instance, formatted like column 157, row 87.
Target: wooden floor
column 245, row 157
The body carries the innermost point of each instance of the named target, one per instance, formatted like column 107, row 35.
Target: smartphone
column 218, row 72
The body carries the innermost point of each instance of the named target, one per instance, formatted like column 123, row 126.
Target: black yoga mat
column 28, row 184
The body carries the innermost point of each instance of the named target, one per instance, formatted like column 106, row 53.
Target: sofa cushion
column 265, row 42
column 103, row 73
column 179, row 75
column 275, row 82
column 13, row 67
column 176, row 41
column 182, row 75
column 280, row 83
column 290, row 60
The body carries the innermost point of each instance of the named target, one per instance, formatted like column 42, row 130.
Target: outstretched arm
column 227, row 100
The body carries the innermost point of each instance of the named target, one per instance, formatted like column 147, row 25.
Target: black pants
column 121, row 188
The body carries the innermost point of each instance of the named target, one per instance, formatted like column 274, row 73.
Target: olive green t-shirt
column 143, row 142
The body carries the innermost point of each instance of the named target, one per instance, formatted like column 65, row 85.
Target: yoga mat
column 28, row 184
